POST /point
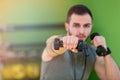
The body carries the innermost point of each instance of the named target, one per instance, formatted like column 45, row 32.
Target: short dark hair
column 78, row 9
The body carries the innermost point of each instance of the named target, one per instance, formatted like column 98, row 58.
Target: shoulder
column 92, row 47
column 91, row 52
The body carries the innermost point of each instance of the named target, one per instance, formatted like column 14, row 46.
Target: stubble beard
column 69, row 33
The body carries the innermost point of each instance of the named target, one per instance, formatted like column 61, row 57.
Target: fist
column 70, row 43
column 99, row 41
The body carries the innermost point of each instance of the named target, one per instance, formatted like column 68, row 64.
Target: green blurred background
column 33, row 21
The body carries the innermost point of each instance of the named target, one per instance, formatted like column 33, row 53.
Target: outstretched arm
column 69, row 43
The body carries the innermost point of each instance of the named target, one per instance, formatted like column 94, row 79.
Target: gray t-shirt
column 69, row 66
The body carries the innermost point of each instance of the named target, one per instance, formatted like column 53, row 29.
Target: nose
column 81, row 30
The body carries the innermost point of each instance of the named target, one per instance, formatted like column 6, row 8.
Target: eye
column 76, row 25
column 87, row 25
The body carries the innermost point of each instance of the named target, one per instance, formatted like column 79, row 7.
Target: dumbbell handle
column 58, row 43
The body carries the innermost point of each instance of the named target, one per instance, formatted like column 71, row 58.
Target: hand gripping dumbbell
column 58, row 43
column 101, row 51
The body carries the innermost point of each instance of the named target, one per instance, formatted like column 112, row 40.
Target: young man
column 68, row 63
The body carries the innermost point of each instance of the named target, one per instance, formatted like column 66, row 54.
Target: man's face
column 79, row 26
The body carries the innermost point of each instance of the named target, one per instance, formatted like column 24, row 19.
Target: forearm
column 49, row 52
column 112, row 70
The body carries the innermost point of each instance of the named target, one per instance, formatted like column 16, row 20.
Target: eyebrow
column 76, row 24
column 84, row 24
column 88, row 24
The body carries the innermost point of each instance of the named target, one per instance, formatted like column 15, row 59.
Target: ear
column 66, row 26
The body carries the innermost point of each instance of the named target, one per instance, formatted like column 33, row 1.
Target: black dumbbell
column 58, row 43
